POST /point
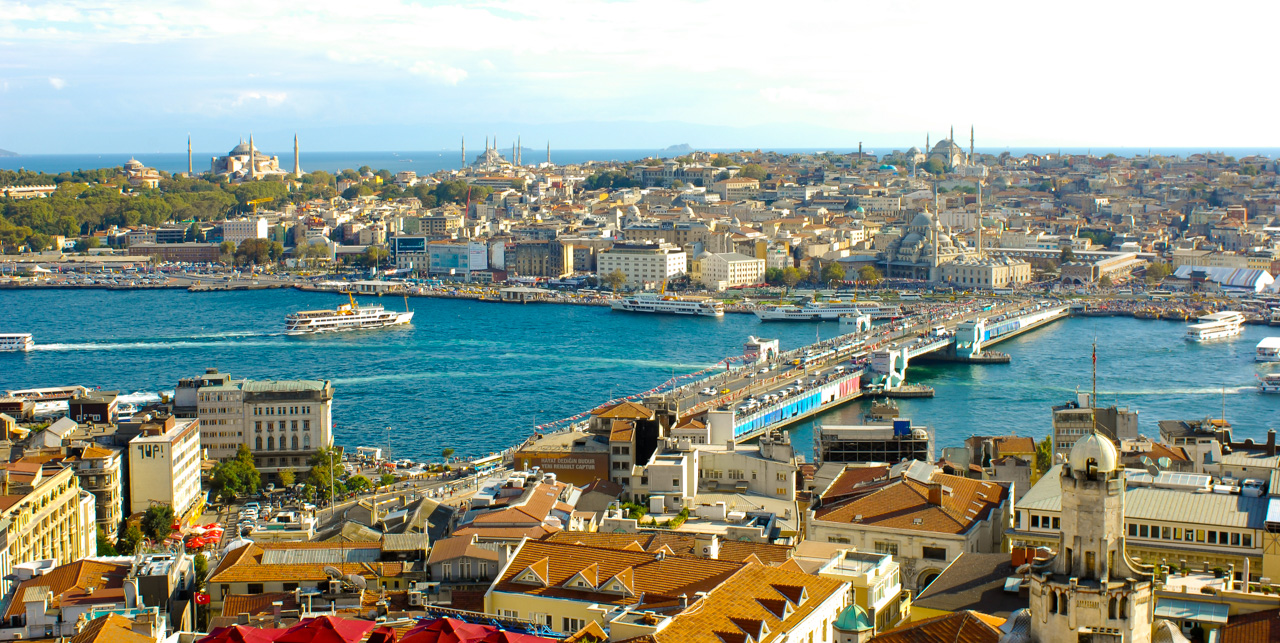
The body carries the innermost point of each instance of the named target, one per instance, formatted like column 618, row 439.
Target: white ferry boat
column 1215, row 326
column 350, row 316
column 1268, row 350
column 16, row 342
column 825, row 311
column 1275, row 317
column 1270, row 383
column 670, row 304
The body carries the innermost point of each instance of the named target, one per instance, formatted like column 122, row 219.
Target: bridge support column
column 855, row 323
column 968, row 342
column 892, row 363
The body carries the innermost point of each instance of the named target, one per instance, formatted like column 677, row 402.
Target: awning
column 1182, row 610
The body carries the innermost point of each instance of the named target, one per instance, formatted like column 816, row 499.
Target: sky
column 81, row 76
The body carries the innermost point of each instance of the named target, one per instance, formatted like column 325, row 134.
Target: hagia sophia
column 244, row 161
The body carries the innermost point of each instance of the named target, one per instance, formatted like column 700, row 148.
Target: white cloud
column 57, row 83
column 270, row 99
column 438, row 71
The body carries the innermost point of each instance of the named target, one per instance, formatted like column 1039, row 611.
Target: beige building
column 643, row 263
column 50, row 516
column 719, row 271
column 736, row 189
column 164, row 467
column 994, row 272
column 238, row 231
column 98, row 469
column 282, row 422
column 925, row 524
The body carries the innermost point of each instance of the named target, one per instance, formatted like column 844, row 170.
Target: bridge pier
column 892, row 363
column 968, row 344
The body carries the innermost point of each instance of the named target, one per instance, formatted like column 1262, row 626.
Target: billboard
column 574, row 468
column 410, row 244
column 478, row 256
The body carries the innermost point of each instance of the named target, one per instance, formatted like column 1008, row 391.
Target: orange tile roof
column 625, row 411
column 678, row 544
column 763, row 602
column 1015, row 444
column 661, row 578
column 69, row 582
column 960, row 627
column 111, row 628
column 236, row 604
column 245, row 565
column 457, row 547
column 622, row 431
column 905, row 504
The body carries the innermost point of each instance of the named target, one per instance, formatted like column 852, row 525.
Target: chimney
column 242, row 618
column 276, row 606
column 935, row 493
column 684, row 601
column 1271, row 442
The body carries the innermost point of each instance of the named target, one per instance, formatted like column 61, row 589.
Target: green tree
column 1044, row 454
column 87, row 243
column 773, row 276
column 237, row 476
column 791, row 277
column 1157, row 271
column 374, row 256
column 157, row 522
column 447, row 453
column 39, row 242
column 1105, row 281
column 1066, row 255
column 105, row 546
column 753, row 171
column 387, row 479
column 255, row 252
column 287, row 478
column 721, row 161
column 833, row 273
column 359, row 484
column 615, row 279
column 869, row 274
column 325, row 474
column 193, row 233
column 275, row 251
column 935, row 167
column 227, row 248
column 357, row 191
column 130, row 537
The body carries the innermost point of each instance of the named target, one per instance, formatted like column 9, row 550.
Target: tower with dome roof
column 1090, row 590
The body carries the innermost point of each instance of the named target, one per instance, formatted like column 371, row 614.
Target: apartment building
column 164, row 466
column 238, row 231
column 99, row 470
column 923, row 521
column 1076, row 419
column 49, row 515
column 643, row 263
column 736, row 189
column 993, row 272
column 726, row 270
column 281, row 422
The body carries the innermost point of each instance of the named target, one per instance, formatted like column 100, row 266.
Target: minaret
column 926, row 146
column 979, row 218
column 953, row 134
column 253, row 158
column 519, row 151
column 513, row 152
column 297, row 164
column 970, row 143
column 190, row 168
column 464, row 151
column 548, row 152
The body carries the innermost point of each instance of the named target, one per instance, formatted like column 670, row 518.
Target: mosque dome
column 242, row 148
column 687, row 211
column 633, row 210
column 922, row 220
column 132, row 162
column 911, row 239
column 1097, row 448
column 913, row 151
column 859, row 209
column 853, row 619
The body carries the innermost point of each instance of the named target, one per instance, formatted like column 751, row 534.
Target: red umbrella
column 326, row 629
column 445, row 630
column 241, row 634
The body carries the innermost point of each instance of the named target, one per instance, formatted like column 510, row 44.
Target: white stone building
column 239, row 230
column 644, row 264
column 164, row 467
column 719, row 271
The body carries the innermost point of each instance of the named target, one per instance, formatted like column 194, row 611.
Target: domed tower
column 1090, row 590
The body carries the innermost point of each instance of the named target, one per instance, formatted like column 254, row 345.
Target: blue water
column 477, row 376
column 429, row 161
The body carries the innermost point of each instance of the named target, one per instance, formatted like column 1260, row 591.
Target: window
column 258, row 443
column 509, row 613
column 294, row 442
column 1133, row 529
column 1213, row 538
column 294, row 424
column 1143, row 531
column 573, row 624
column 306, row 425
column 446, row 571
column 289, row 587
column 1235, row 539
column 255, row 588
column 1055, row 522
column 257, row 426
column 887, row 548
column 1035, row 520
column 1246, row 540
column 935, row 553
column 1166, row 533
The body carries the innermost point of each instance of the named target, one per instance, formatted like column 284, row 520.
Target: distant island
column 8, row 153
column 683, row 148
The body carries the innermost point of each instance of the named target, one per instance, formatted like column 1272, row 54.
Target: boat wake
column 154, row 345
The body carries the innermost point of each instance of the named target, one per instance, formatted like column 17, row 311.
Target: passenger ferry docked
column 17, row 342
column 1268, row 350
column 825, row 311
column 1215, row 326
column 1275, row 317
column 671, row 304
column 347, row 317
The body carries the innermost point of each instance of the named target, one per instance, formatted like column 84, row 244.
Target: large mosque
column 923, row 249
column 244, row 161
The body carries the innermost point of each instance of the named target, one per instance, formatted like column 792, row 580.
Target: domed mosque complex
column 244, row 161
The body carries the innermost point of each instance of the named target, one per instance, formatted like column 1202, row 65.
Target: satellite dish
column 1154, row 471
column 332, row 572
column 356, row 581
column 1164, row 462
column 1146, row 462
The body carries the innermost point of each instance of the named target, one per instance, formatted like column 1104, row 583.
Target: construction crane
column 255, row 203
